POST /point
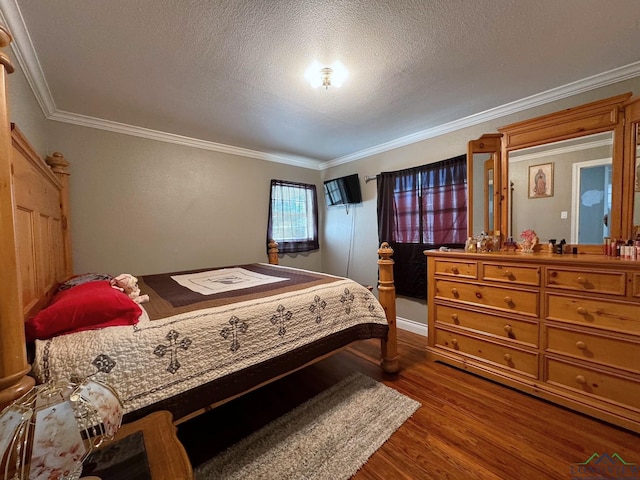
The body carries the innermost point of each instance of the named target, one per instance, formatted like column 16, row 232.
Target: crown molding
column 125, row 129
column 28, row 59
column 591, row 83
column 26, row 55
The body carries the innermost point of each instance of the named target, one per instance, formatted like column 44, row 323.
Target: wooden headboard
column 41, row 220
column 34, row 239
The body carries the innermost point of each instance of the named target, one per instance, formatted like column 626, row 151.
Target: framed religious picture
column 541, row 180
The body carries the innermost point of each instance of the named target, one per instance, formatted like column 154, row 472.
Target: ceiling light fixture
column 323, row 76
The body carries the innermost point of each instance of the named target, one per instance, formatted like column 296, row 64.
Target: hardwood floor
column 467, row 428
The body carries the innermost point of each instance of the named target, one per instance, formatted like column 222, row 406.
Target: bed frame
column 35, row 246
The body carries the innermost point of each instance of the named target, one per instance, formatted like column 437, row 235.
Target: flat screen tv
column 343, row 190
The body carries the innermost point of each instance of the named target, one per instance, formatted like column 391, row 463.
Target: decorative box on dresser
column 563, row 327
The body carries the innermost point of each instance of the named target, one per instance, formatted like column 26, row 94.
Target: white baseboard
column 411, row 326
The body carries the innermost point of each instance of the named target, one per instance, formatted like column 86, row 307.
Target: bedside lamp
column 50, row 431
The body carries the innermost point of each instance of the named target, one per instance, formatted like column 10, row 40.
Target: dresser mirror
column 572, row 175
column 632, row 158
column 483, row 160
column 636, row 194
column 562, row 190
column 578, row 163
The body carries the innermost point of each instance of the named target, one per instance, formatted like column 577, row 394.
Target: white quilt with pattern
column 154, row 360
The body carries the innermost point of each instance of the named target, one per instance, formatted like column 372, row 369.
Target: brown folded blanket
column 167, row 297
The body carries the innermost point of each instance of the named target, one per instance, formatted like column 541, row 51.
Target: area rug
column 328, row 437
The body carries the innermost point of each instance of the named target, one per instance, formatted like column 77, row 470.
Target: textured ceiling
column 230, row 72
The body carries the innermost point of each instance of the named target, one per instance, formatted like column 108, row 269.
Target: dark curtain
column 418, row 209
column 293, row 216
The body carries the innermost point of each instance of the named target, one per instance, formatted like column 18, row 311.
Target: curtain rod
column 368, row 178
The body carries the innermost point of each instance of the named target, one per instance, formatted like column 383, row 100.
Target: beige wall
column 24, row 110
column 142, row 206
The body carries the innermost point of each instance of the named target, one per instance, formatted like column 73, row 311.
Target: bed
column 182, row 355
column 208, row 335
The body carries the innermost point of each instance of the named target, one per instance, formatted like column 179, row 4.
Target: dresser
column 565, row 328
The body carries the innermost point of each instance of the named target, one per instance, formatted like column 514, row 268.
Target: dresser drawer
column 511, row 300
column 456, row 268
column 587, row 281
column 506, row 328
column 511, row 358
column 636, row 285
column 608, row 315
column 595, row 382
column 594, row 348
column 516, row 274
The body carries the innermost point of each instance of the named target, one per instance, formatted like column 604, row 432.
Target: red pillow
column 84, row 307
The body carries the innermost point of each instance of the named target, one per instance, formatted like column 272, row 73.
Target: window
column 426, row 205
column 419, row 208
column 293, row 216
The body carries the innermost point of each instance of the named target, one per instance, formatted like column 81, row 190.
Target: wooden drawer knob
column 454, row 317
column 508, row 328
column 454, row 292
column 508, row 300
column 507, row 357
column 454, row 342
column 580, row 379
column 581, row 345
column 455, row 270
column 507, row 274
column 582, row 280
column 582, row 310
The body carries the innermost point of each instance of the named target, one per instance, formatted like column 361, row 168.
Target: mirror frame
column 596, row 117
column 488, row 143
column 631, row 143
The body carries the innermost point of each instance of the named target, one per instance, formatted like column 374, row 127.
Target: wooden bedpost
column 14, row 381
column 273, row 252
column 387, row 297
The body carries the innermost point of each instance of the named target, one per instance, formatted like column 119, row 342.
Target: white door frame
column 575, row 192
